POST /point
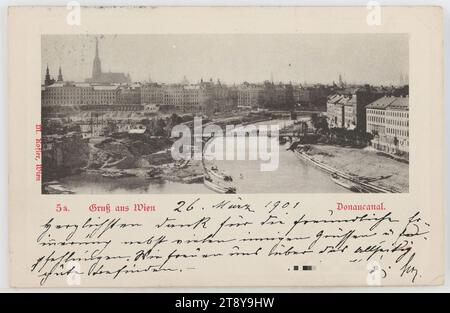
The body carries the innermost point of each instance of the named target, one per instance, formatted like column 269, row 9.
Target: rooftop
column 340, row 99
column 393, row 103
column 400, row 104
column 105, row 87
column 334, row 98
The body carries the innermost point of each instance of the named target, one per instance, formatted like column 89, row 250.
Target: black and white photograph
column 225, row 113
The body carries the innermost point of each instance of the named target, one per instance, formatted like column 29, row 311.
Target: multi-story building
column 177, row 97
column 397, row 125
column 182, row 98
column 173, row 96
column 350, row 112
column 194, row 99
column 388, row 122
column 339, row 113
column 219, row 97
column 103, row 95
column 66, row 94
column 152, row 94
column 129, row 94
column 347, row 108
column 247, row 96
column 376, row 122
column 70, row 94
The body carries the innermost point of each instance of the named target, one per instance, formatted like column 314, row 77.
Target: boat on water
column 372, row 179
column 182, row 164
column 117, row 174
column 293, row 146
column 220, row 175
column 214, row 173
column 193, row 179
column 55, row 187
column 346, row 183
column 216, row 188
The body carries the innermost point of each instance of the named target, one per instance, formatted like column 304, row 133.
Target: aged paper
column 226, row 146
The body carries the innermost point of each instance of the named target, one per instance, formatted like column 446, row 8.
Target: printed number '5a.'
column 61, row 208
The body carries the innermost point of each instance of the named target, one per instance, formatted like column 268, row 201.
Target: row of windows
column 398, row 114
column 401, row 114
column 55, row 102
column 247, row 95
column 180, row 94
column 404, row 123
column 377, row 119
column 376, row 112
column 378, row 128
column 397, row 132
column 78, row 97
column 78, row 91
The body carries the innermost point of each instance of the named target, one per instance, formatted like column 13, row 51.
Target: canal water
column 293, row 175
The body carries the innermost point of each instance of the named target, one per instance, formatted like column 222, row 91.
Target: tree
column 175, row 119
column 160, row 128
column 314, row 119
column 396, row 144
column 290, row 101
column 368, row 137
column 319, row 123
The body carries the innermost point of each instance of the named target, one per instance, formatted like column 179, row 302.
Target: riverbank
column 191, row 173
column 365, row 163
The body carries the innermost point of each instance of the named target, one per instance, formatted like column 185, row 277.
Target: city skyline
column 313, row 58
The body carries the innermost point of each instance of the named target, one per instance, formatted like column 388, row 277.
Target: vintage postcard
column 225, row 146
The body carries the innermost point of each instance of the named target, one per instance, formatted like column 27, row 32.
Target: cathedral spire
column 98, row 76
column 97, row 67
column 96, row 48
column 60, row 77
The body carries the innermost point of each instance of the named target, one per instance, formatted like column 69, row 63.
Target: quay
column 355, row 180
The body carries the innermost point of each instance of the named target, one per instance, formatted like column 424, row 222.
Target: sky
column 378, row 59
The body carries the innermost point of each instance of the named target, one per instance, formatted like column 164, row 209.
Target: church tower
column 60, row 77
column 48, row 79
column 100, row 77
column 97, row 68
